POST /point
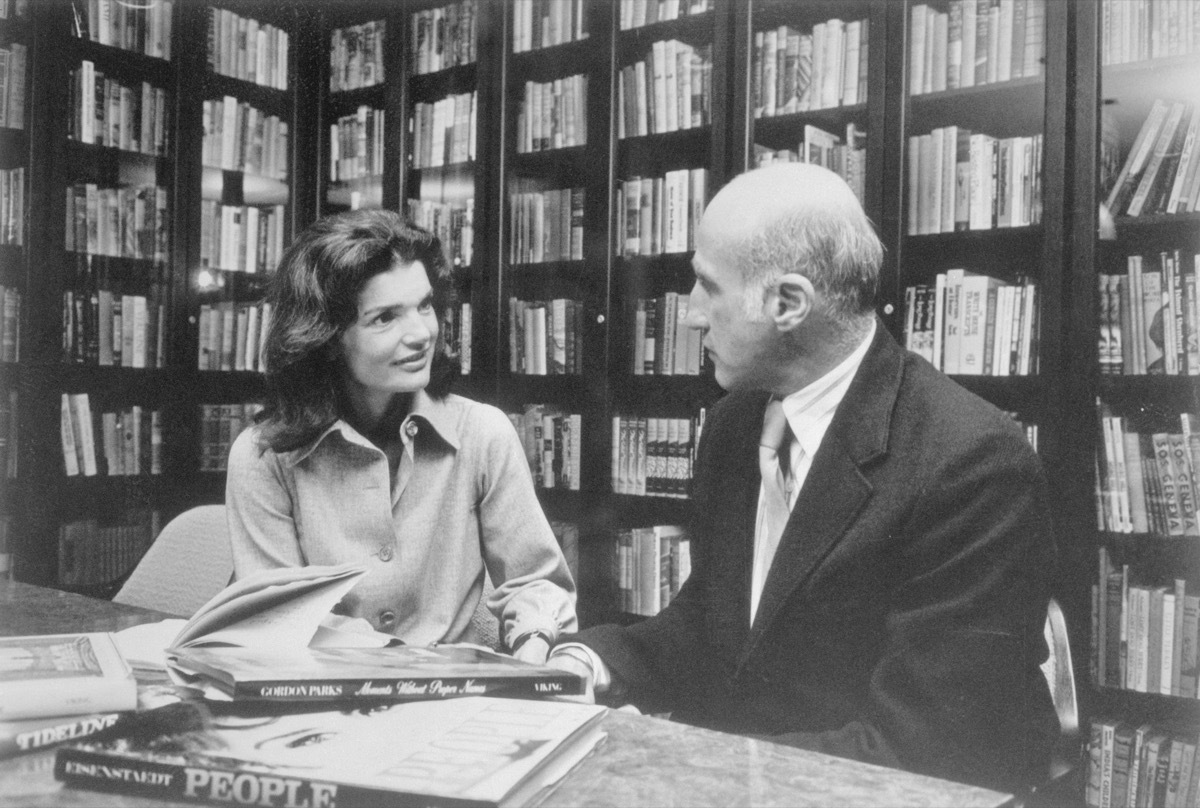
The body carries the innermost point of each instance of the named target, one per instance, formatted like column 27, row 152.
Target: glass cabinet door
column 813, row 89
column 974, row 144
column 1138, row 268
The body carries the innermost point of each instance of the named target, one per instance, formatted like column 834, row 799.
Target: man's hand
column 572, row 663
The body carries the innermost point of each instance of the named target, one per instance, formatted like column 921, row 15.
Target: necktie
column 774, row 467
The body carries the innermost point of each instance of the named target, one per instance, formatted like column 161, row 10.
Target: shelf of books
column 246, row 110
column 815, row 88
column 1146, row 397
column 980, row 231
column 670, row 125
column 449, row 95
column 14, row 173
column 356, row 108
column 99, row 325
column 551, row 327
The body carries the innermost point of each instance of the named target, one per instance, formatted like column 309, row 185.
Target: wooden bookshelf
column 1117, row 375
column 15, row 234
column 553, row 173
column 86, row 271
column 1073, row 98
column 156, row 257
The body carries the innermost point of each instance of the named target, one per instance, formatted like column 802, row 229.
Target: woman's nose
column 417, row 331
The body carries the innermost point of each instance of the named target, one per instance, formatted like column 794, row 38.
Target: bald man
column 893, row 611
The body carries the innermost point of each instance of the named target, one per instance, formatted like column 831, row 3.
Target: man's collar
column 434, row 412
column 807, row 406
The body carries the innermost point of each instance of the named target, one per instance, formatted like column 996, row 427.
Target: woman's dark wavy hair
column 314, row 298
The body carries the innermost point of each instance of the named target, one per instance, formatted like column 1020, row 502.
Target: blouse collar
column 434, row 413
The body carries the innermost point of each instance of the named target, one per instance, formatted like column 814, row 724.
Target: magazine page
column 144, row 645
column 473, row 748
column 273, row 608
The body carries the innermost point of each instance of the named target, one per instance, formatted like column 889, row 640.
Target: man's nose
column 696, row 317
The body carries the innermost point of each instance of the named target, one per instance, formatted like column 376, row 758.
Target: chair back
column 1061, row 784
column 1060, row 672
column 189, row 562
column 484, row 624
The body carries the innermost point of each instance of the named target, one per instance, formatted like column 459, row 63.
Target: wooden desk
column 644, row 762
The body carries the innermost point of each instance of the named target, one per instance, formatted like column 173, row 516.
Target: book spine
column 32, row 735
column 167, row 781
column 76, row 696
column 408, row 689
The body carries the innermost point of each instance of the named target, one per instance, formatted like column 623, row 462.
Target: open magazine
column 271, row 610
column 461, row 752
column 268, row 638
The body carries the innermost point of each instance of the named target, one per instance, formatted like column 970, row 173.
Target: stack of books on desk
column 271, row 723
column 60, row 687
column 474, row 751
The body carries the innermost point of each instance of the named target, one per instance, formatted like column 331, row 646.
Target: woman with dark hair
column 362, row 453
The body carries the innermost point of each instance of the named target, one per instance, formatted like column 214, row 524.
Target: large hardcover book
column 63, row 674
column 266, row 637
column 465, row 752
column 368, row 674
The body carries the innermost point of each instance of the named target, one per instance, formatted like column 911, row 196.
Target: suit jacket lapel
column 738, row 512
column 836, row 490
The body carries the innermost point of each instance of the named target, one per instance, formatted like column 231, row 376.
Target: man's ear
column 791, row 300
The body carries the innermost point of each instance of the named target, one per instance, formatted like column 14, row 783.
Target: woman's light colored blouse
column 462, row 499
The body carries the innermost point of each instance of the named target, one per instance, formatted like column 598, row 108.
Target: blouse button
column 385, row 553
column 387, row 618
column 410, row 429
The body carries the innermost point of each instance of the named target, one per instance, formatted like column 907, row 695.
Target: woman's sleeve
column 534, row 588
column 259, row 510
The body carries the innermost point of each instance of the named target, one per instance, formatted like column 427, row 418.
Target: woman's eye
column 427, row 306
column 311, row 739
column 383, row 318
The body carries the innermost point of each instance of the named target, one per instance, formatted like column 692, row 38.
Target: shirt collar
column 433, row 412
column 808, row 407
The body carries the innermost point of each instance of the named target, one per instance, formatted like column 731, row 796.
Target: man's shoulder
column 942, row 411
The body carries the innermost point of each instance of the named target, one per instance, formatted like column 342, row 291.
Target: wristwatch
column 537, row 632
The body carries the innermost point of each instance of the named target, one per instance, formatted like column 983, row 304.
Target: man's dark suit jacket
column 901, row 621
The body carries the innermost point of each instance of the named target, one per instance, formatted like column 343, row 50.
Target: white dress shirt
column 809, row 412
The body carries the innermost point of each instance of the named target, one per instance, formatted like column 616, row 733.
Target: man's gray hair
column 835, row 248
